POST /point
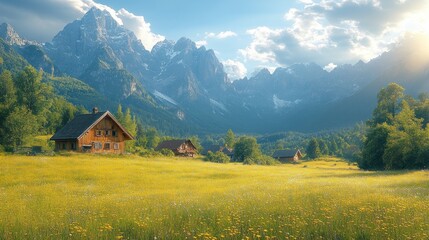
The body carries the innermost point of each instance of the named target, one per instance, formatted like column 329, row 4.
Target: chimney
column 94, row 110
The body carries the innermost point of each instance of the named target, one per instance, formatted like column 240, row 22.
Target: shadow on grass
column 357, row 173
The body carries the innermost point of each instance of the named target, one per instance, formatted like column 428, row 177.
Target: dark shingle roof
column 172, row 144
column 82, row 123
column 285, row 153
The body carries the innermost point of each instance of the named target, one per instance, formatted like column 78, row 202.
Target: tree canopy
column 397, row 137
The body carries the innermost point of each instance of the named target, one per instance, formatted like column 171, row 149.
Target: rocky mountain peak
column 263, row 74
column 11, row 37
column 100, row 20
column 185, row 44
column 79, row 44
column 163, row 48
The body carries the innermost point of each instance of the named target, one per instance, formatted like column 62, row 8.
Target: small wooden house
column 180, row 147
column 287, row 155
column 98, row 132
column 219, row 148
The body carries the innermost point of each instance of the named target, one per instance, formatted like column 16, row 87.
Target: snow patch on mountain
column 280, row 103
column 218, row 105
column 164, row 97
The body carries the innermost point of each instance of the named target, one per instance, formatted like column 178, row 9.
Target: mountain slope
column 11, row 60
column 180, row 88
column 407, row 64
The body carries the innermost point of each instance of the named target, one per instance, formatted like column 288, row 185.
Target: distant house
column 219, row 148
column 98, row 132
column 287, row 155
column 181, row 147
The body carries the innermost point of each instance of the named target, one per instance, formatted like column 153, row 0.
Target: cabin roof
column 77, row 127
column 172, row 144
column 286, row 153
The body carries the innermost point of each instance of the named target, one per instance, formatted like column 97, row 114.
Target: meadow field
column 130, row 197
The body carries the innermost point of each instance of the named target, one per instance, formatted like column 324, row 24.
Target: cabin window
column 64, row 146
column 107, row 146
column 98, row 133
column 73, row 146
column 97, row 145
column 116, row 146
column 114, row 133
column 107, row 132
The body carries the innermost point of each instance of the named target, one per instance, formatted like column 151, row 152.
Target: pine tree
column 374, row 147
column 313, row 149
column 230, row 138
column 324, row 150
column 130, row 122
column 119, row 114
column 152, row 138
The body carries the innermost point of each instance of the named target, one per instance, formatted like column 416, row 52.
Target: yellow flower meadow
column 129, row 197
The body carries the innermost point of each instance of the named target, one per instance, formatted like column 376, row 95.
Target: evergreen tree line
column 246, row 150
column 29, row 107
column 398, row 134
column 346, row 144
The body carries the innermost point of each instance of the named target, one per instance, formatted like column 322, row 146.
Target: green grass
column 96, row 197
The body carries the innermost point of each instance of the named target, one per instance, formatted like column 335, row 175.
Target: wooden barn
column 98, row 132
column 181, row 147
column 287, row 155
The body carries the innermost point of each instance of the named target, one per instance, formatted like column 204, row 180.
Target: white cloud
column 343, row 31
column 263, row 46
column 329, row 67
column 53, row 15
column 201, row 43
column 221, row 35
column 234, row 69
column 140, row 27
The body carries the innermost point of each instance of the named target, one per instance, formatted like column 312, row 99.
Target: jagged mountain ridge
column 11, row 37
column 190, row 88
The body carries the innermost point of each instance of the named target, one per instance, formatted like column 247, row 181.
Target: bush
column 260, row 160
column 217, row 157
column 167, row 152
column 246, row 147
column 147, row 152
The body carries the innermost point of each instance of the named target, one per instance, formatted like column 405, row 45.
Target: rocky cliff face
column 8, row 34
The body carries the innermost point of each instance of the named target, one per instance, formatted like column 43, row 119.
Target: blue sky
column 245, row 34
column 192, row 18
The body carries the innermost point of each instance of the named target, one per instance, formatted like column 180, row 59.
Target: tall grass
column 90, row 196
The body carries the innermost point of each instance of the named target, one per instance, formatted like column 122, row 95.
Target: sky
column 246, row 35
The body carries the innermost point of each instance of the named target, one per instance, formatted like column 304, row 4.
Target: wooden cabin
column 219, row 148
column 287, row 155
column 98, row 132
column 181, row 147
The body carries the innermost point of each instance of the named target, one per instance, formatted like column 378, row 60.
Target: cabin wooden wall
column 186, row 149
column 66, row 145
column 91, row 138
